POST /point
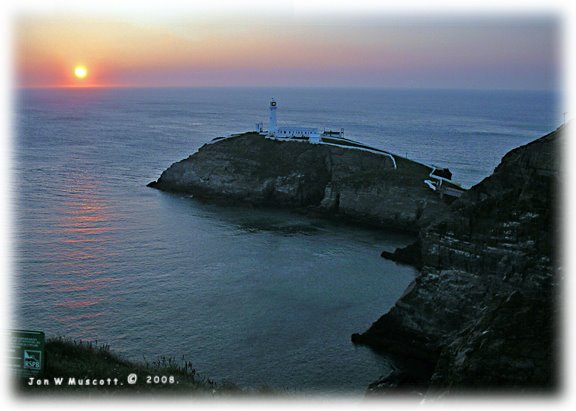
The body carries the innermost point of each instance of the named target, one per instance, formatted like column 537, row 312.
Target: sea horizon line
column 286, row 87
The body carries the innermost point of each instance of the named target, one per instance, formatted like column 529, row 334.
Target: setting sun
column 80, row 72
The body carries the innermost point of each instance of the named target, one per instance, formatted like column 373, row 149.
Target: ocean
column 258, row 297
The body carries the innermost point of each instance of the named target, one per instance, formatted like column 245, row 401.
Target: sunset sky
column 286, row 50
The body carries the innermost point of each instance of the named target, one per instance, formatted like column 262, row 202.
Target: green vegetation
column 408, row 166
column 91, row 368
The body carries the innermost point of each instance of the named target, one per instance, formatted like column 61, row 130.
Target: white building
column 311, row 133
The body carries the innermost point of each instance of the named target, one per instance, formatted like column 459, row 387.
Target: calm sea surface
column 251, row 296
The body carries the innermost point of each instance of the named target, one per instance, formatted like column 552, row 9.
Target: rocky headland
column 481, row 314
column 334, row 181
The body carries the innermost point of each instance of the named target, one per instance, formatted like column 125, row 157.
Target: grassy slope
column 65, row 358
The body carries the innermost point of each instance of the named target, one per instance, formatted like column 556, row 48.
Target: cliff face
column 338, row 181
column 482, row 311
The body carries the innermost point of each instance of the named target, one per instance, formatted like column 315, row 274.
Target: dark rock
column 398, row 382
column 335, row 181
column 511, row 347
column 356, row 338
column 482, row 308
column 410, row 255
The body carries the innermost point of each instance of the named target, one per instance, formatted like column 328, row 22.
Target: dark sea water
column 248, row 295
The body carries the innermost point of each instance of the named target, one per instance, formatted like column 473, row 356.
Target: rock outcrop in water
column 482, row 313
column 335, row 181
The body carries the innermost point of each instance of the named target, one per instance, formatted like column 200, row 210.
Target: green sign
column 26, row 353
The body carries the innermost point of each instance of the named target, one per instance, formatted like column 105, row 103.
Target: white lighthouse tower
column 272, row 128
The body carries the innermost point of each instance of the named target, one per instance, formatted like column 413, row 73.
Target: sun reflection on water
column 82, row 270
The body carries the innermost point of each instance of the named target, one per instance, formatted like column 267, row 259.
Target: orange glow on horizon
column 137, row 51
